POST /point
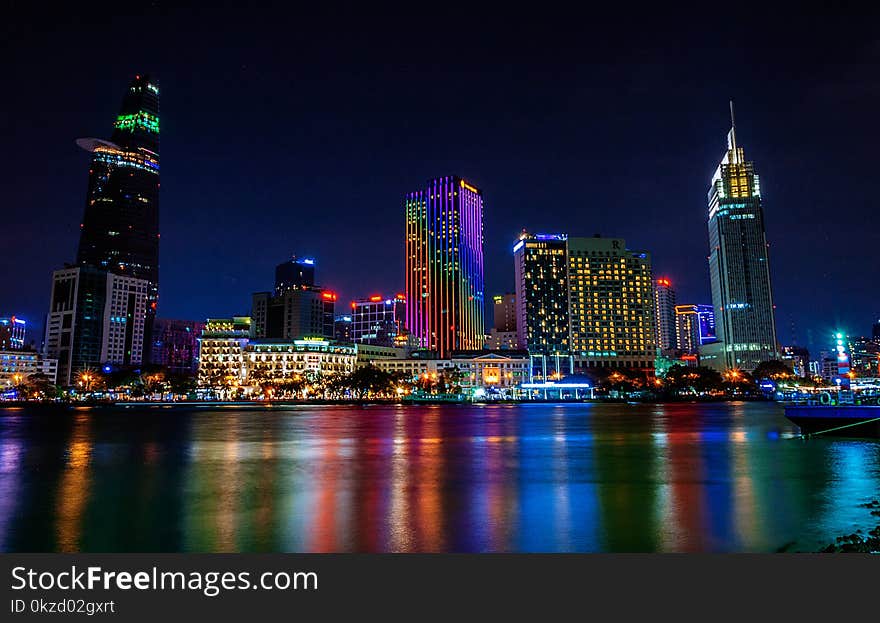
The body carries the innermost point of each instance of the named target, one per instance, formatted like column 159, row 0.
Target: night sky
column 285, row 130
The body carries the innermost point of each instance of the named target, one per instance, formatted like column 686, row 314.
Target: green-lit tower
column 120, row 228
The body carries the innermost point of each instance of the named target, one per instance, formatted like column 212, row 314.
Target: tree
column 773, row 369
column 684, row 379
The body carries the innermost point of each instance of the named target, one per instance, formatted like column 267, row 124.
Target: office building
column 378, row 319
column 444, row 265
column 176, row 345
column 95, row 318
column 342, row 328
column 307, row 311
column 504, row 312
column 694, row 327
column 294, row 273
column 739, row 266
column 13, row 333
column 664, row 314
column 120, row 227
column 542, row 296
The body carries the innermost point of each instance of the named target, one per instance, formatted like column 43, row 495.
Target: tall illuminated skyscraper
column 664, row 313
column 541, row 277
column 120, row 227
column 444, row 265
column 739, row 267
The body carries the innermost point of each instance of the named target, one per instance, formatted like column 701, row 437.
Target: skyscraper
column 664, row 313
column 444, row 265
column 739, row 267
column 541, row 276
column 120, row 227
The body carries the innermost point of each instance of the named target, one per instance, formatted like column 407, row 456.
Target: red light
column 400, row 296
column 328, row 296
column 375, row 298
column 353, row 305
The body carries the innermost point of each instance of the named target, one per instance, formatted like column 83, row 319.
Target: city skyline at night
column 332, row 173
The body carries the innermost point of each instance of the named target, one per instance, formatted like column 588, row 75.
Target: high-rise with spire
column 120, row 227
column 739, row 267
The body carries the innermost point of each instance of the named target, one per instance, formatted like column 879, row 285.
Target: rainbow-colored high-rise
column 444, row 265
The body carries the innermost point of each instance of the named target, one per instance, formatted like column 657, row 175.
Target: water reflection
column 537, row 478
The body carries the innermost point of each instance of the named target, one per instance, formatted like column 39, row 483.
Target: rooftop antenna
column 731, row 137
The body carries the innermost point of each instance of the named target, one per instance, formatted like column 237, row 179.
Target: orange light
column 328, row 296
column 400, row 296
column 375, row 298
column 353, row 305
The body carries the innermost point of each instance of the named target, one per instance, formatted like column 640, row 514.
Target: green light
column 141, row 120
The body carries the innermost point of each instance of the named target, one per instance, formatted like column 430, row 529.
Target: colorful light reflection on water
column 530, row 478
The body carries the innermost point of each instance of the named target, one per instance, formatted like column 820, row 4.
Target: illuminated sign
column 328, row 296
column 469, row 187
column 518, row 246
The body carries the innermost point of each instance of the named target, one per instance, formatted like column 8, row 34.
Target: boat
column 836, row 420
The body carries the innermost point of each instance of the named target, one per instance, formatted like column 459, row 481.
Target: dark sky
column 289, row 130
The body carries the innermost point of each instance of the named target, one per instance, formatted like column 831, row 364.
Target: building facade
column 542, row 295
column 611, row 305
column 694, row 327
column 306, row 311
column 95, row 318
column 378, row 320
column 444, row 265
column 13, row 333
column 176, row 345
column 502, row 340
column 739, row 266
column 297, row 272
column 504, row 312
column 221, row 351
column 274, row 360
column 16, row 366
column 664, row 314
column 472, row 371
column 342, row 328
column 120, row 226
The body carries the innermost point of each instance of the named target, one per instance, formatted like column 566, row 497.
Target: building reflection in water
column 535, row 478
column 74, row 487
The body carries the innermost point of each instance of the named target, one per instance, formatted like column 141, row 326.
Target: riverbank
column 365, row 402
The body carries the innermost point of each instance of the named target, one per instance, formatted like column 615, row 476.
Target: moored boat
column 837, row 421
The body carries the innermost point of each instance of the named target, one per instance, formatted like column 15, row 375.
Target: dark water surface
column 463, row 478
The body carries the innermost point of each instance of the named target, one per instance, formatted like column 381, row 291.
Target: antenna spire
column 731, row 137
